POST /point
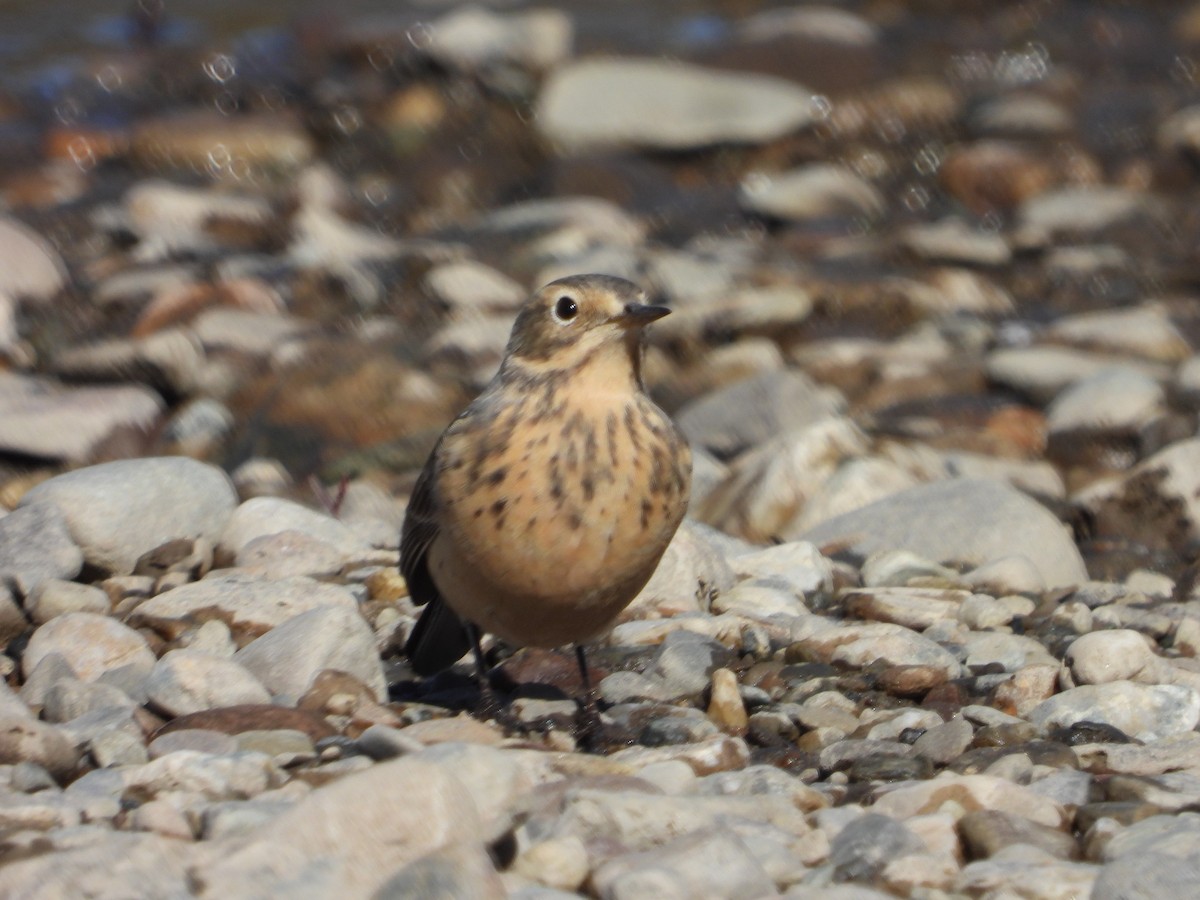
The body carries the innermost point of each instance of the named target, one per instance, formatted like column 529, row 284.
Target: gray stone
column 1171, row 835
column 117, row 748
column 363, row 828
column 289, row 657
column 1145, row 712
column 188, row 681
column 259, row 334
column 590, row 220
column 960, row 521
column 946, row 742
column 752, row 411
column 1148, row 876
column 1022, row 870
column 120, row 510
column 69, row 699
column 862, row 848
column 638, row 819
column 263, row 516
column 685, row 662
column 1012, row 652
column 105, row 866
column 774, row 488
column 35, row 546
column 459, row 870
column 665, row 105
column 55, row 597
column 709, row 863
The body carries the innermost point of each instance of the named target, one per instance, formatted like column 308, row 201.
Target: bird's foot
column 491, row 707
column 593, row 734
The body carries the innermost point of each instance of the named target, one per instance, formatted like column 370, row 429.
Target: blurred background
column 290, row 238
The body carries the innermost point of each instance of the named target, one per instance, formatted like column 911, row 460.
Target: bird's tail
column 438, row 641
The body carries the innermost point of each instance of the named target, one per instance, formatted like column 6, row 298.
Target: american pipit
column 547, row 504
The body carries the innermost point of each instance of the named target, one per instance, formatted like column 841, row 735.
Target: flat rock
column 247, row 603
column 31, row 267
column 971, row 521
column 43, row 419
column 1143, row 332
column 471, row 286
column 1084, row 209
column 665, row 105
column 473, row 39
column 1042, row 372
column 93, row 645
column 247, row 331
column 120, row 510
column 271, row 142
column 816, row 191
column 968, row 793
column 170, row 361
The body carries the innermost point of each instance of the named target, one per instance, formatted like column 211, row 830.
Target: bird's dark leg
column 590, row 726
column 490, row 706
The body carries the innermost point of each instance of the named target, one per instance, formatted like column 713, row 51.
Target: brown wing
column 439, row 639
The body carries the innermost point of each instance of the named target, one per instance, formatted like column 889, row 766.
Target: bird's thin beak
column 638, row 314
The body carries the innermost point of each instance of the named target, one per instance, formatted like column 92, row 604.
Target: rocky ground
column 932, row 627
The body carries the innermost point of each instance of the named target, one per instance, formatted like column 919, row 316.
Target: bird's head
column 573, row 318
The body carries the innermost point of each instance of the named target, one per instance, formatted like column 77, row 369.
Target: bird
column 546, row 505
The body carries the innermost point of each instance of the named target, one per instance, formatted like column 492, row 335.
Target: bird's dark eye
column 565, row 309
